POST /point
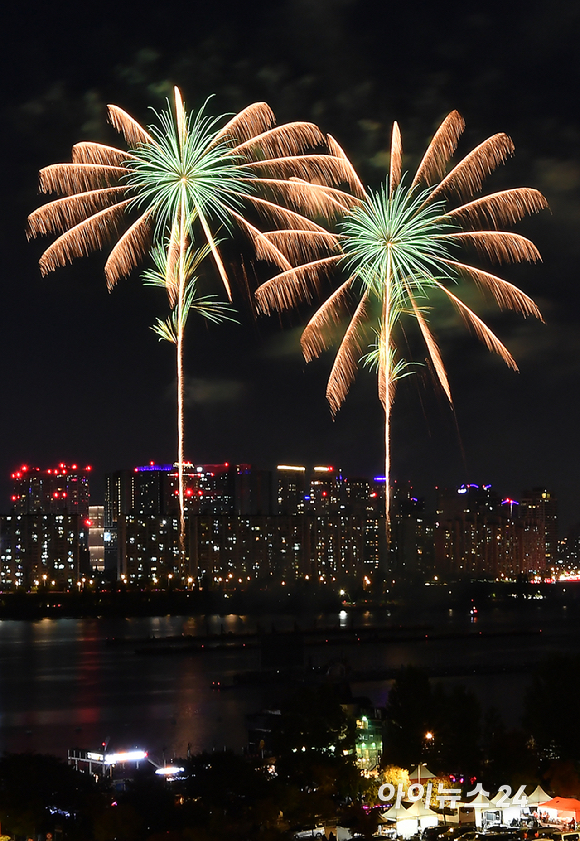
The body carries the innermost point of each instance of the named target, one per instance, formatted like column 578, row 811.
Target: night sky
column 84, row 379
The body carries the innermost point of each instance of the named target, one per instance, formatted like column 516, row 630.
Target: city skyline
column 111, row 637
column 244, row 525
column 85, row 377
column 312, row 468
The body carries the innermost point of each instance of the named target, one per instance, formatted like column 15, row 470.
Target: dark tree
column 38, row 790
column 314, row 746
column 119, row 822
column 508, row 756
column 152, row 799
column 439, row 726
column 551, row 707
column 409, row 716
column 457, row 731
column 229, row 794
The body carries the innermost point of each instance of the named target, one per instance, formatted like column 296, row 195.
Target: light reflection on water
column 62, row 686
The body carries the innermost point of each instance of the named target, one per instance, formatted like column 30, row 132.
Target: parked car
column 557, row 835
column 432, row 833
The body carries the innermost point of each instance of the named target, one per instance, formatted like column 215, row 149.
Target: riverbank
column 405, row 598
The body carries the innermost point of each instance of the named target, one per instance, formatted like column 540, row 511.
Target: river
column 63, row 686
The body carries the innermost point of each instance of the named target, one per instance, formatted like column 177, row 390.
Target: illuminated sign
column 128, row 756
column 169, row 770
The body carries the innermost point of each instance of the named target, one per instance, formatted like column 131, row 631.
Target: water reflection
column 62, row 685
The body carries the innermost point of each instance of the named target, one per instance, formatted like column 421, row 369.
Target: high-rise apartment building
column 291, row 483
column 142, row 509
column 37, row 549
column 138, row 503
column 324, row 528
column 244, row 524
column 477, row 533
column 412, row 546
column 96, row 537
column 45, row 537
column 541, row 506
column 61, row 488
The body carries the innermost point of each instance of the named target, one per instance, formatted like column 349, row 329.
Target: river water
column 63, row 686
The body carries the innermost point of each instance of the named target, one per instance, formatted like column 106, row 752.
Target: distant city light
column 164, row 468
column 128, row 756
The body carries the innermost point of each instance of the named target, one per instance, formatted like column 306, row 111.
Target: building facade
column 44, row 539
column 480, row 534
column 243, row 525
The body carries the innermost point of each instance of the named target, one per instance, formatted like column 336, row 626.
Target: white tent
column 421, row 773
column 398, row 814
column 509, row 811
column 538, row 795
column 395, row 813
column 480, row 801
column 417, row 818
column 479, row 804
